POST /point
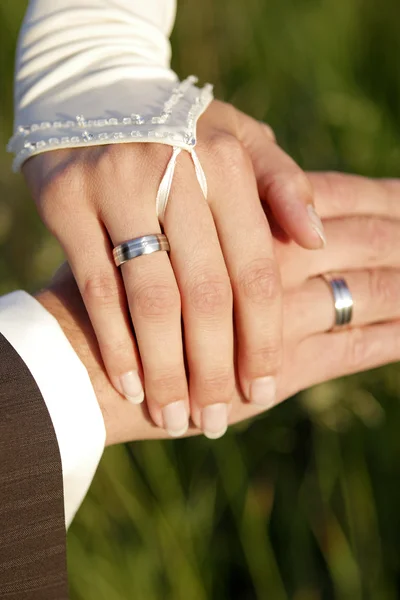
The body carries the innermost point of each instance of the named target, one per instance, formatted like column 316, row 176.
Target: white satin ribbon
column 166, row 182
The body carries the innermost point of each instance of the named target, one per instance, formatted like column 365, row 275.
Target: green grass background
column 303, row 503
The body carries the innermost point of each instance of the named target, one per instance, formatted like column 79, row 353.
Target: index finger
column 339, row 195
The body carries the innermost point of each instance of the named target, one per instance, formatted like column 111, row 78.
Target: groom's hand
column 362, row 223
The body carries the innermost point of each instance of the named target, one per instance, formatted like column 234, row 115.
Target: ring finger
column 375, row 296
column 155, row 308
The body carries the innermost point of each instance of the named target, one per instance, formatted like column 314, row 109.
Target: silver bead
column 189, row 139
column 137, row 119
column 87, row 136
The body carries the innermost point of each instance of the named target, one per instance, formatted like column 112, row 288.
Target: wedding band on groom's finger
column 375, row 294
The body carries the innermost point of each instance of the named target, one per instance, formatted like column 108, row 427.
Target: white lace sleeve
column 97, row 72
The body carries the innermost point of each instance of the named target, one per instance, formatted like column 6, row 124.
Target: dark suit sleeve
column 32, row 526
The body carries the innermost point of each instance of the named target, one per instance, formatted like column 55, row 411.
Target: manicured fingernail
column 263, row 391
column 132, row 387
column 176, row 420
column 316, row 224
column 215, row 420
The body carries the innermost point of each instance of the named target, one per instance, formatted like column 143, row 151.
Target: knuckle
column 217, row 387
column 101, row 290
column 211, row 295
column 287, row 185
column 114, row 160
column 156, row 301
column 155, row 153
column 150, row 155
column 169, row 387
column 228, row 153
column 117, row 163
column 260, row 281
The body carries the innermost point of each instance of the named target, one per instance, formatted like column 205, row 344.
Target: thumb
column 282, row 184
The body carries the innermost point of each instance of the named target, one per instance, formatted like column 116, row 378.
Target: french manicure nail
column 176, row 420
column 215, row 420
column 316, row 224
column 132, row 387
column 263, row 391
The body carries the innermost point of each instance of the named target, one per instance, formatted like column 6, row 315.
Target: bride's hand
column 362, row 220
column 222, row 254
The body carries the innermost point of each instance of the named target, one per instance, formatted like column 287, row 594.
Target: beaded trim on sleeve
column 122, row 128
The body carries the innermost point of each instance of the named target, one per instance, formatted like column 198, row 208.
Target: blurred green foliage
column 302, row 504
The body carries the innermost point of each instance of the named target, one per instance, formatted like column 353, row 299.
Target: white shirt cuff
column 66, row 389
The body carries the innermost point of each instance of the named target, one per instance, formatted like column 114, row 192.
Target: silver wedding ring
column 342, row 298
column 147, row 244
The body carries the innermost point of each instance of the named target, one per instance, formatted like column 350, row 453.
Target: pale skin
column 222, row 258
column 362, row 224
